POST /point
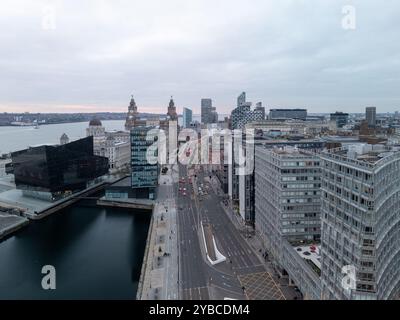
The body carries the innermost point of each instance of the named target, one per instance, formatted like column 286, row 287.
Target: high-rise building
column 243, row 114
column 241, row 99
column 144, row 172
column 300, row 114
column 287, row 214
column 244, row 189
column 361, row 222
column 370, row 116
column 340, row 118
column 287, row 196
column 208, row 113
column 53, row 172
column 260, row 109
column 240, row 117
column 187, row 117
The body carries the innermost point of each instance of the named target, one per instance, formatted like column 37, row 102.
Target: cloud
column 288, row 53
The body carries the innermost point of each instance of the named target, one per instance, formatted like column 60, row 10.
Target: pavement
column 162, row 274
column 9, row 223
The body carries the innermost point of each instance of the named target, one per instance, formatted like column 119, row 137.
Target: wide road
column 198, row 278
column 193, row 269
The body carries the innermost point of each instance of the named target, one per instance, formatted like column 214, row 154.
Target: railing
column 333, row 153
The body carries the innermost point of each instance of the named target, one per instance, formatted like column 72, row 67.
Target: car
column 184, row 193
column 184, row 189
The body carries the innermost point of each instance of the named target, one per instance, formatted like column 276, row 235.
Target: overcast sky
column 87, row 56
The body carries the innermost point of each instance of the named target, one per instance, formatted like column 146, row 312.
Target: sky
column 92, row 55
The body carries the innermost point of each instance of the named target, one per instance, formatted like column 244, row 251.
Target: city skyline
column 70, row 57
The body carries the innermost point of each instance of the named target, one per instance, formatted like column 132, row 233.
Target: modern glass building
column 208, row 113
column 243, row 114
column 340, row 118
column 52, row 172
column 300, row 114
column 187, row 117
column 144, row 173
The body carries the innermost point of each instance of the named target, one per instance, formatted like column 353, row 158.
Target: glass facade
column 58, row 169
column 144, row 174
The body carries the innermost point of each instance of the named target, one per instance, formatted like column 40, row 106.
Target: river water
column 18, row 138
column 97, row 254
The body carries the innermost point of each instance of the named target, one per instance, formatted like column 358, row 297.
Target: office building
column 246, row 184
column 118, row 153
column 241, row 100
column 243, row 114
column 187, row 117
column 287, row 213
column 144, row 173
column 260, row 109
column 208, row 113
column 340, row 118
column 361, row 221
column 98, row 132
column 299, row 114
column 53, row 172
column 287, row 193
column 114, row 145
column 370, row 116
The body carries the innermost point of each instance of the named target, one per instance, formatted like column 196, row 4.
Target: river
column 97, row 254
column 18, row 138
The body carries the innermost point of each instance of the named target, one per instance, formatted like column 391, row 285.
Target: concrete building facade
column 287, row 212
column 370, row 116
column 361, row 221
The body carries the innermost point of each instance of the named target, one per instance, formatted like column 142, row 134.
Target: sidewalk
column 160, row 281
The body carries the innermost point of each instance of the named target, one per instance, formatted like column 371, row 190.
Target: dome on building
column 95, row 123
column 64, row 139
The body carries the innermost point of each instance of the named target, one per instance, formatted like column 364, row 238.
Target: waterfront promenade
column 10, row 223
column 160, row 272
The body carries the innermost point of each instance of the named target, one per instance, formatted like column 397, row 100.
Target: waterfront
column 97, row 254
column 18, row 138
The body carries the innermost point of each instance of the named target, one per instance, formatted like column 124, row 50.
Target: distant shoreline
column 47, row 124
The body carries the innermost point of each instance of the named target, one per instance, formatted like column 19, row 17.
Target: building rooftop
column 289, row 151
column 312, row 254
column 365, row 155
column 126, row 182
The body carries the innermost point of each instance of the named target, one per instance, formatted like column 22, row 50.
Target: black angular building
column 53, row 172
